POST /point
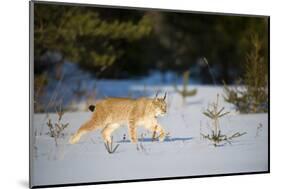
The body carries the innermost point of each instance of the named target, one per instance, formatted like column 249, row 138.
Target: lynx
column 109, row 114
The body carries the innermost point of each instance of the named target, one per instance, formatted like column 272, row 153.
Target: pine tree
column 252, row 96
column 85, row 35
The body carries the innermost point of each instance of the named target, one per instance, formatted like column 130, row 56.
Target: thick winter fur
column 111, row 113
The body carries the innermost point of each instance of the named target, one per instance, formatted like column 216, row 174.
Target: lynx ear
column 156, row 95
column 165, row 96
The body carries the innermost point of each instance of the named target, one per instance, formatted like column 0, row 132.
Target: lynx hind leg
column 107, row 131
column 76, row 137
column 84, row 129
column 133, row 132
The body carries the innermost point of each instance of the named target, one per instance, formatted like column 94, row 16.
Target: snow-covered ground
column 184, row 153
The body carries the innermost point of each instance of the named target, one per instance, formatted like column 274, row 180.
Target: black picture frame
column 31, row 60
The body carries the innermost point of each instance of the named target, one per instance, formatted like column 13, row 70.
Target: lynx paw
column 162, row 137
column 134, row 140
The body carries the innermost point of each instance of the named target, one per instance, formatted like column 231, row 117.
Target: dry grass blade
column 109, row 146
column 56, row 129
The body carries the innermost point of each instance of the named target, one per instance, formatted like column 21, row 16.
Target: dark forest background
column 118, row 43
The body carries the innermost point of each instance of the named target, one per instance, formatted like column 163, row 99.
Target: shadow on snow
column 166, row 140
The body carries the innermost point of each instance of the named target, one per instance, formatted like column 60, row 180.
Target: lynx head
column 160, row 105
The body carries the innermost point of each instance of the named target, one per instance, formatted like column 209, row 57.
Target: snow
column 184, row 153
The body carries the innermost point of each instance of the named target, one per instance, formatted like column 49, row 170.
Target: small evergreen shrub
column 252, row 96
column 185, row 92
column 214, row 112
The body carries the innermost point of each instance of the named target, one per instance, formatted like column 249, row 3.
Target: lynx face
column 160, row 106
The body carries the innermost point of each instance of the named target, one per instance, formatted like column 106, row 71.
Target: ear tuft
column 92, row 108
column 165, row 96
column 156, row 95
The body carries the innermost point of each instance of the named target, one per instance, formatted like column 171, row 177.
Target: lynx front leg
column 157, row 129
column 133, row 132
